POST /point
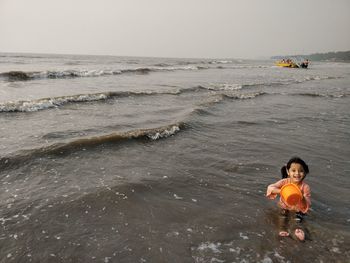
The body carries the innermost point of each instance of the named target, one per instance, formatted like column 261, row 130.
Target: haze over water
column 128, row 159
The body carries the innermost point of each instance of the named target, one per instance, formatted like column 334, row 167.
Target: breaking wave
column 66, row 74
column 238, row 86
column 47, row 103
column 245, row 96
column 55, row 102
column 151, row 134
column 229, row 91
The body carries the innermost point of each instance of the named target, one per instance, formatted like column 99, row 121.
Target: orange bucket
column 291, row 194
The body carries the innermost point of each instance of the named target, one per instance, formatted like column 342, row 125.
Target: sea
column 139, row 159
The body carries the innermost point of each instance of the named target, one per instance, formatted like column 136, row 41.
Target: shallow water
column 109, row 159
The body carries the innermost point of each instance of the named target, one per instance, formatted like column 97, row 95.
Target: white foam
column 74, row 73
column 246, row 96
column 267, row 260
column 178, row 197
column 164, row 134
column 221, row 62
column 241, row 235
column 36, row 105
column 214, row 247
column 225, row 86
column 277, row 255
column 335, row 250
column 213, row 260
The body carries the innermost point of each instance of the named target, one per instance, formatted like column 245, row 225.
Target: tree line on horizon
column 340, row 56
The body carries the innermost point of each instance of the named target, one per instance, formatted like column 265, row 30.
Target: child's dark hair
column 294, row 160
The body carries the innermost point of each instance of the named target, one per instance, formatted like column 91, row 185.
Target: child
column 294, row 172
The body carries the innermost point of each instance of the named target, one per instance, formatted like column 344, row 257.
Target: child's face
column 296, row 173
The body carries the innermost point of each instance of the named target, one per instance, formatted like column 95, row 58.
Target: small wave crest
column 309, row 78
column 245, row 96
column 225, row 87
column 54, row 102
column 47, row 103
column 238, row 86
column 72, row 73
column 18, row 75
column 151, row 134
column 31, row 75
column 322, row 95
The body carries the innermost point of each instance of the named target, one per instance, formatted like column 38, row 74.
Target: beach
column 138, row 159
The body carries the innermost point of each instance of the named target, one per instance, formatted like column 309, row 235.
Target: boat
column 289, row 63
column 285, row 64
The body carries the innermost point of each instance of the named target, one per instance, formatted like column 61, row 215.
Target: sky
column 175, row 28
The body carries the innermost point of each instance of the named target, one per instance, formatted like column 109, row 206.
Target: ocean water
column 128, row 159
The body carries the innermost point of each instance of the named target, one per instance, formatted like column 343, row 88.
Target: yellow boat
column 290, row 63
column 286, row 64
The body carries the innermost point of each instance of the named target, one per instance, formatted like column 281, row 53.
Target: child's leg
column 300, row 234
column 283, row 222
column 298, row 231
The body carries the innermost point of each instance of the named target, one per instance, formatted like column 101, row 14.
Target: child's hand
column 272, row 191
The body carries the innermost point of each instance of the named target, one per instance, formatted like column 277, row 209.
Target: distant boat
column 289, row 63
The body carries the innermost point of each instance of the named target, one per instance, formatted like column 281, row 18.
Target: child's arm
column 305, row 203
column 274, row 189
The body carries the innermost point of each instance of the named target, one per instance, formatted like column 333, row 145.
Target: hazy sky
column 175, row 28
